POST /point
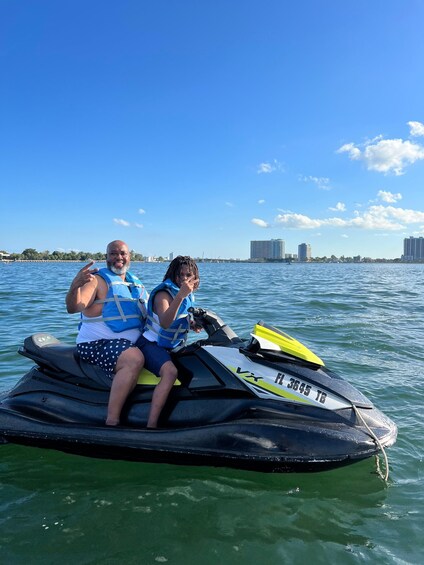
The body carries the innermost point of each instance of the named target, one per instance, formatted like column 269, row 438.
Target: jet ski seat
column 49, row 352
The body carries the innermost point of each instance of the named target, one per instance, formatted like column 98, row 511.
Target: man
column 111, row 304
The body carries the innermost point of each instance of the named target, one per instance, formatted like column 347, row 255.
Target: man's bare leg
column 127, row 369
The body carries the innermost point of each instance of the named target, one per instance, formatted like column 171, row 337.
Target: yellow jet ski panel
column 145, row 377
column 274, row 339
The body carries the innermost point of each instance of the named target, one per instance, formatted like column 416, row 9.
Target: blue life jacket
column 177, row 332
column 124, row 307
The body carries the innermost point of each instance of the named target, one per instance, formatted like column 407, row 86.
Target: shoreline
column 232, row 261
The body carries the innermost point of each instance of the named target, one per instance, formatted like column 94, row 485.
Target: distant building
column 413, row 249
column 304, row 252
column 269, row 249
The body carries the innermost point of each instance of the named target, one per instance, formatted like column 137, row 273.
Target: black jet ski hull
column 178, row 447
column 237, row 405
column 267, row 440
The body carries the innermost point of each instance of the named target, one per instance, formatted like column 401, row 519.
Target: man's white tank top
column 97, row 329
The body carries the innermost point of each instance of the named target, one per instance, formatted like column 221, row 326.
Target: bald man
column 111, row 302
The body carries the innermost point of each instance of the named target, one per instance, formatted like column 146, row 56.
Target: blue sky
column 194, row 127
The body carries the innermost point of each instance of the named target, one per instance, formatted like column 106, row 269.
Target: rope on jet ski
column 382, row 475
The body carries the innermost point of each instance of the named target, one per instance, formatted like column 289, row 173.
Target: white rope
column 382, row 475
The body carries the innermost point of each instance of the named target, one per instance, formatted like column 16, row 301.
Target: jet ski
column 266, row 403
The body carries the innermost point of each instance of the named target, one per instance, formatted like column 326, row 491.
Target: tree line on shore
column 31, row 254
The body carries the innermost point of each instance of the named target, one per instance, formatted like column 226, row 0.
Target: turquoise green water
column 365, row 321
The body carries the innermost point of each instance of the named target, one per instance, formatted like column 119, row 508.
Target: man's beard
column 120, row 271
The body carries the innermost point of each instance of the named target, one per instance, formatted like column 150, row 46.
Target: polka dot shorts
column 103, row 352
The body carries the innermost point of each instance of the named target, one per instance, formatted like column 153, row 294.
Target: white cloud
column 386, row 155
column 265, row 168
column 141, row 211
column 339, row 207
column 260, row 223
column 229, row 204
column 298, row 221
column 345, row 236
column 389, row 197
column 406, row 216
column 121, row 222
column 392, row 155
column 269, row 167
column 261, row 201
column 374, row 218
column 354, row 152
column 321, row 182
column 416, row 129
column 138, row 225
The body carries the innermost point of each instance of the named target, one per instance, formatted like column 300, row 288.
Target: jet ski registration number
column 301, row 387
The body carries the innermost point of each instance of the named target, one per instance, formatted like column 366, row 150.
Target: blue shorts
column 154, row 355
column 103, row 352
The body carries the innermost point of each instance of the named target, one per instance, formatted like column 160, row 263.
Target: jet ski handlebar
column 218, row 332
column 206, row 318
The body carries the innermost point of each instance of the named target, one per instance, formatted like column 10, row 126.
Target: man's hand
column 84, row 276
column 83, row 289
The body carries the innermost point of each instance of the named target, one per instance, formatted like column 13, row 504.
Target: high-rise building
column 413, row 249
column 304, row 252
column 269, row 249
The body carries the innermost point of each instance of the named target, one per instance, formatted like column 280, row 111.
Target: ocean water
column 365, row 321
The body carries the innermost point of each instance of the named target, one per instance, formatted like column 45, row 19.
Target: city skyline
column 274, row 249
column 303, row 122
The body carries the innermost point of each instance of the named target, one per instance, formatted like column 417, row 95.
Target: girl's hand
column 194, row 327
column 188, row 286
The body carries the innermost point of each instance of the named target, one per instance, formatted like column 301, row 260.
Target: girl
column 168, row 322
